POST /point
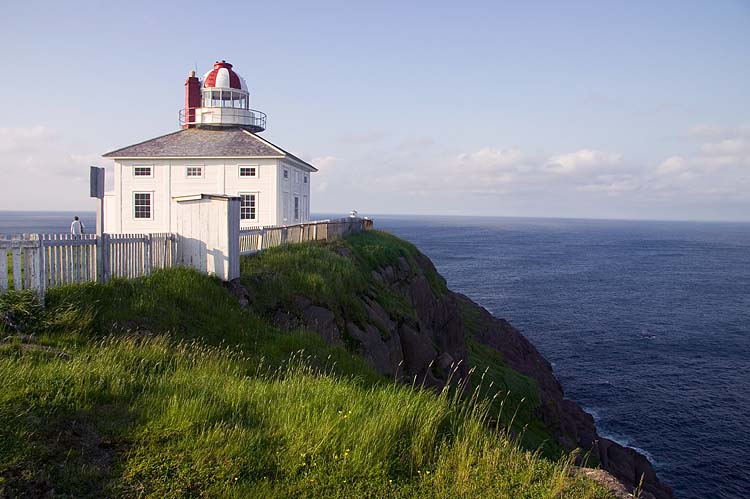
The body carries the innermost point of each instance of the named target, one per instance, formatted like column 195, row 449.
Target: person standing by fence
column 77, row 227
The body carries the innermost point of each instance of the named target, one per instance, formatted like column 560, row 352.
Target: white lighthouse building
column 217, row 152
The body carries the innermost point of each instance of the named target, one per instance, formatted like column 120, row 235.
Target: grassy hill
column 166, row 386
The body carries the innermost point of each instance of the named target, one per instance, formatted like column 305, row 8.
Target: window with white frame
column 193, row 171
column 305, row 177
column 249, row 171
column 142, row 171
column 142, row 205
column 296, row 207
column 286, row 173
column 249, row 206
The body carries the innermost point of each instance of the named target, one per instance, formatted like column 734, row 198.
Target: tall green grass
column 158, row 418
column 165, row 387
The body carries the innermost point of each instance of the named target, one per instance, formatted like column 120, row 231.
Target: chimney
column 192, row 98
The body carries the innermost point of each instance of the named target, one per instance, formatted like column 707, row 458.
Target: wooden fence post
column 17, row 269
column 41, row 269
column 148, row 261
column 102, row 257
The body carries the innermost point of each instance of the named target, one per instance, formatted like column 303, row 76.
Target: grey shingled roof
column 205, row 143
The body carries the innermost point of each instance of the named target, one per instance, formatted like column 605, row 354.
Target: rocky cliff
column 408, row 325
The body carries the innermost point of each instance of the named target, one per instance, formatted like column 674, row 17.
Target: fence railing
column 42, row 261
column 256, row 239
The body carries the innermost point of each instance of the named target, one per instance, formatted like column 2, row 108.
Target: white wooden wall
column 169, row 181
column 209, row 234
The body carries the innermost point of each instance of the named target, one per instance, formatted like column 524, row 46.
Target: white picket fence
column 256, row 239
column 42, row 261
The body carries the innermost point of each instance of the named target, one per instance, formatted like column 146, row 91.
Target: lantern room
column 219, row 99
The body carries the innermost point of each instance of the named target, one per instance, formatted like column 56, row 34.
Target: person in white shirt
column 77, row 227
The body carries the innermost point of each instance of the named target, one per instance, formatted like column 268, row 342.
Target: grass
column 319, row 272
column 156, row 418
column 165, row 387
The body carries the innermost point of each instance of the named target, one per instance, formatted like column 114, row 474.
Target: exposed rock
column 384, row 356
column 301, row 302
column 377, row 277
column 610, row 482
column 323, row 321
column 418, row 350
column 445, row 362
column 239, row 292
column 378, row 316
column 285, row 320
column 404, row 267
column 344, row 251
column 389, row 274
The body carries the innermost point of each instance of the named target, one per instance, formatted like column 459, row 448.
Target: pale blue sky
column 584, row 109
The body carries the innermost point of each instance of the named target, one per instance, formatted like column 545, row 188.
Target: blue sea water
column 43, row 222
column 647, row 324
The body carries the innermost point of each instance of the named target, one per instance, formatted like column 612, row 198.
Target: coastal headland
column 326, row 370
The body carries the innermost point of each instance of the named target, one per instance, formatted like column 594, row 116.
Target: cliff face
column 425, row 336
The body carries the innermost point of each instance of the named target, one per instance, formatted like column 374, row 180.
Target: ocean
column 647, row 324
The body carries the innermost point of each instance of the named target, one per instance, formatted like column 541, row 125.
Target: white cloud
column 426, row 175
column 41, row 171
column 326, row 166
column 582, row 160
column 706, row 131
column 671, row 165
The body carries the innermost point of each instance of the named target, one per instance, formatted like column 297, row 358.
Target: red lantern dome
column 222, row 76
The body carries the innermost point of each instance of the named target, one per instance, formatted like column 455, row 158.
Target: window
column 305, row 181
column 286, row 173
column 296, row 207
column 285, row 205
column 248, row 206
column 142, row 205
column 249, row 171
column 142, row 171
column 194, row 171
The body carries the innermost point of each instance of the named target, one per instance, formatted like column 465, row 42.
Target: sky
column 637, row 110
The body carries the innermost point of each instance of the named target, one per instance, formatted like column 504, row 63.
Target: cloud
column 23, row 140
column 613, row 184
column 43, row 171
column 720, row 149
column 671, row 165
column 326, row 166
column 706, row 131
column 582, row 160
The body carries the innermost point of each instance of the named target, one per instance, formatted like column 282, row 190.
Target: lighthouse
column 220, row 98
column 216, row 151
